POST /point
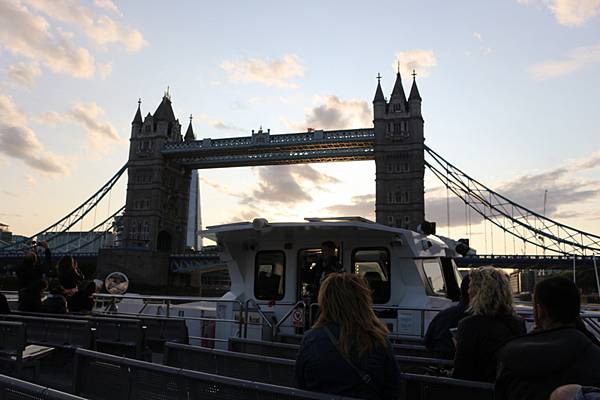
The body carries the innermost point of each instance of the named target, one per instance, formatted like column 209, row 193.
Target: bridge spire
column 138, row 115
column 189, row 134
column 379, row 93
column 414, row 90
column 398, row 95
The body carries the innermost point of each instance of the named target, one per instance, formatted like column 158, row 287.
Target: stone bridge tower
column 399, row 157
column 156, row 209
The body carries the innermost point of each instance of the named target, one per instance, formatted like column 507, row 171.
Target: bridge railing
column 270, row 140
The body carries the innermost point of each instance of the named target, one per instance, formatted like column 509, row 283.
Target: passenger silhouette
column 558, row 352
column 31, row 275
column 438, row 338
column 347, row 353
column 493, row 322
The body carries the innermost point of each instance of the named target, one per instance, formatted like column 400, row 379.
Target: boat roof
column 337, row 223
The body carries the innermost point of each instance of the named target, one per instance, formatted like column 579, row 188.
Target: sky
column 510, row 95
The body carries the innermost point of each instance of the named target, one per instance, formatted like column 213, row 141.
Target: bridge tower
column 399, row 156
column 156, row 207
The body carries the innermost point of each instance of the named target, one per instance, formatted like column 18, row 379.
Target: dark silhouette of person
column 558, row 352
column 69, row 275
column 56, row 301
column 82, row 301
column 326, row 264
column 31, row 274
column 438, row 338
column 347, row 353
column 492, row 322
column 4, row 308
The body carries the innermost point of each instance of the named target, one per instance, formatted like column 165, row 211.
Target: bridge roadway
column 262, row 148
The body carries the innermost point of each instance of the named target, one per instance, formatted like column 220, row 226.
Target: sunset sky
column 511, row 95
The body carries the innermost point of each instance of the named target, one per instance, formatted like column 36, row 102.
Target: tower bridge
column 152, row 230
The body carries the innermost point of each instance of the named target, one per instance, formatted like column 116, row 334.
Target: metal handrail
column 287, row 315
column 167, row 301
column 247, row 312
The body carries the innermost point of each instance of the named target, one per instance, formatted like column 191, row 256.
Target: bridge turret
column 189, row 134
column 165, row 122
column 136, row 124
column 399, row 159
column 398, row 98
column 379, row 103
column 414, row 99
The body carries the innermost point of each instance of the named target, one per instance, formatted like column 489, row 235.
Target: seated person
column 558, row 352
column 56, row 301
column 493, row 322
column 347, row 344
column 438, row 338
column 82, row 300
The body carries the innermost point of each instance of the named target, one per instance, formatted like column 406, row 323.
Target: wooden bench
column 276, row 371
column 100, row 376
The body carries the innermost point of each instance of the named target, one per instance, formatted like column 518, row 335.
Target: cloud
column 287, row 184
column 362, row 206
column 107, row 5
column 88, row 115
column 24, row 73
column 477, row 36
column 28, row 35
column 103, row 30
column 575, row 60
column 276, row 73
column 331, row 112
column 219, row 124
column 422, row 61
column 104, row 70
column 574, row 12
column 569, row 12
column 485, row 50
column 20, row 142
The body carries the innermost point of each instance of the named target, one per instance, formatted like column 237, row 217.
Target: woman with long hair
column 492, row 322
column 69, row 275
column 347, row 353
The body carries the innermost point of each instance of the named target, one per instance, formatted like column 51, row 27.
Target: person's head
column 66, row 263
column 328, row 248
column 489, row 292
column 464, row 289
column 345, row 299
column 565, row 392
column 556, row 302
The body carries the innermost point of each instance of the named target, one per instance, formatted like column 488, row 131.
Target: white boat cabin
column 271, row 267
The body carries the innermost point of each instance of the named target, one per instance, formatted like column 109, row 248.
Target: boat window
column 374, row 265
column 269, row 277
column 434, row 276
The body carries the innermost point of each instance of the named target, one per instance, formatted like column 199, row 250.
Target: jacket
column 532, row 366
column 478, row 338
column 438, row 338
column 321, row 368
column 32, row 283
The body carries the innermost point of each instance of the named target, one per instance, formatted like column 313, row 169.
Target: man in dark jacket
column 32, row 279
column 438, row 338
column 560, row 351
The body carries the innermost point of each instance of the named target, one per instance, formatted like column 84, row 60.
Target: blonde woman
column 347, row 353
column 492, row 322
